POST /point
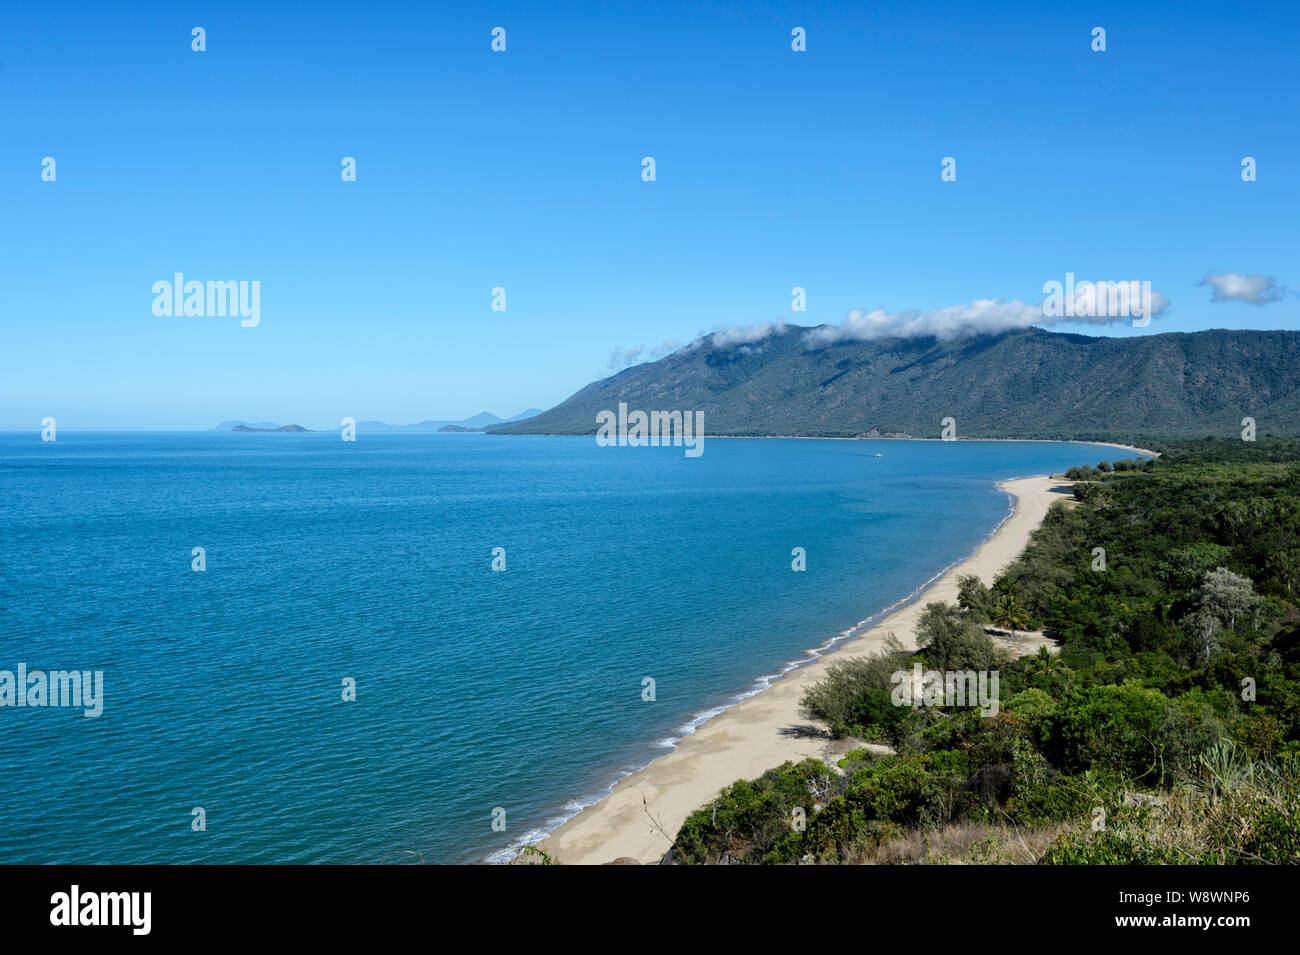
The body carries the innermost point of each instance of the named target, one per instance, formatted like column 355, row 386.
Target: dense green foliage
column 1167, row 726
column 1023, row 384
column 855, row 696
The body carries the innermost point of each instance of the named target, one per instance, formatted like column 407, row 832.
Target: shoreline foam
column 763, row 726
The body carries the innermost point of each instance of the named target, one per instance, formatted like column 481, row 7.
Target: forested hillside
column 1022, row 384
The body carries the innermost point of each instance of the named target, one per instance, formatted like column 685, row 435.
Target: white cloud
column 986, row 316
column 1255, row 289
column 620, row 358
column 750, row 335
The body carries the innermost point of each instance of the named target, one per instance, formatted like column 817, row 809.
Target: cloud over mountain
column 984, row 316
column 748, row 335
column 622, row 357
column 987, row 316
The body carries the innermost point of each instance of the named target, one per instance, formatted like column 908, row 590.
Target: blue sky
column 522, row 170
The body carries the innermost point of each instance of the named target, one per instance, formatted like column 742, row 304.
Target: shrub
column 751, row 820
column 1135, row 730
column 952, row 641
column 849, row 698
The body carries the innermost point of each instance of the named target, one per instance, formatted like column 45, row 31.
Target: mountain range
column 478, row 422
column 1025, row 383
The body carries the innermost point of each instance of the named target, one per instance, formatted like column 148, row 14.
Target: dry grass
column 963, row 843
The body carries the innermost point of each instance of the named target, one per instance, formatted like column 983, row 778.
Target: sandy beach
column 767, row 729
column 1122, row 447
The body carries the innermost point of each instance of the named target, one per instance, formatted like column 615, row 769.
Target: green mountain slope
column 1028, row 384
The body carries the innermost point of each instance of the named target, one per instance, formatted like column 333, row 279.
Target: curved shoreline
column 573, row 807
column 822, row 437
column 766, row 728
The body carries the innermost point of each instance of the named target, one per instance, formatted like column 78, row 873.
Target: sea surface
column 477, row 691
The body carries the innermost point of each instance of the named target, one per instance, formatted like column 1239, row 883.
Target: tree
column 1184, row 566
column 1205, row 628
column 1094, row 495
column 972, row 596
column 953, row 641
column 1008, row 612
column 1044, row 660
column 1230, row 597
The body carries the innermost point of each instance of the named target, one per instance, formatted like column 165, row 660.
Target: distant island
column 287, row 427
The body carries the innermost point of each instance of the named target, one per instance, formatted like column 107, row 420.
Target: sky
column 522, row 170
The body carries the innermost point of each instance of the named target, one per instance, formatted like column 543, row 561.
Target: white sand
column 755, row 735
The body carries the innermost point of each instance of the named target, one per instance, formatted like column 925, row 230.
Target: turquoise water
column 476, row 689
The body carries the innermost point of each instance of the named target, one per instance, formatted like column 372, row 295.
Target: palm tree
column 1008, row 612
column 1045, row 660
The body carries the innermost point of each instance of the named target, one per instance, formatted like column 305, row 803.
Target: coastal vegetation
column 1164, row 727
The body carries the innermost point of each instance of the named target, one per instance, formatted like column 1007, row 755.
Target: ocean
column 483, row 697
